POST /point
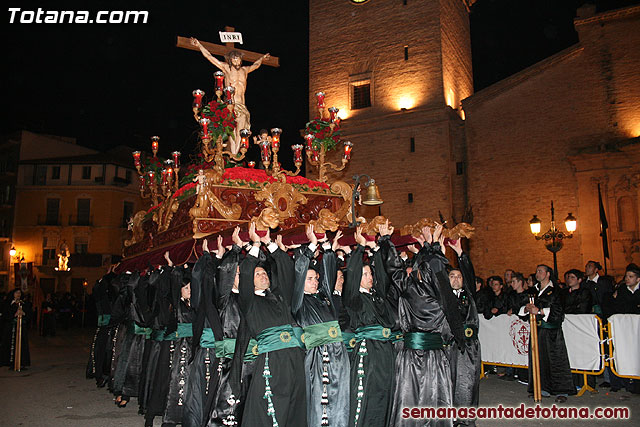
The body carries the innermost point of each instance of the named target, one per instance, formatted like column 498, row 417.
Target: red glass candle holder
column 142, row 182
column 197, row 98
column 333, row 114
column 275, row 138
column 348, row 146
column 252, row 164
column 228, row 94
column 219, row 79
column 244, row 138
column 265, row 151
column 152, row 177
column 309, row 139
column 176, row 158
column 136, row 158
column 297, row 153
column 204, row 122
column 154, row 144
column 320, row 99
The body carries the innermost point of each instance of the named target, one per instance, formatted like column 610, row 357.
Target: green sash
column 157, row 335
column 349, row 339
column 279, row 337
column 396, row 336
column 103, row 319
column 141, row 331
column 373, row 332
column 184, row 331
column 423, row 340
column 252, row 351
column 321, row 333
column 546, row 325
column 207, row 340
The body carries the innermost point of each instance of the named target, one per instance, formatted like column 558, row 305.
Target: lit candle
column 176, row 158
column 136, row 158
column 204, row 122
column 252, row 164
column 309, row 138
column 154, row 144
column 219, row 79
column 197, row 98
column 152, row 176
column 315, row 156
column 275, row 138
column 265, row 151
column 297, row 153
column 164, row 177
column 320, row 98
column 169, row 175
column 228, row 94
column 141, row 178
column 348, row 146
column 333, row 112
column 244, row 138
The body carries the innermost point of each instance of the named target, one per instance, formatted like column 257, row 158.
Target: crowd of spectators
column 582, row 292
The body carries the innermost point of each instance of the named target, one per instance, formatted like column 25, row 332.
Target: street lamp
column 554, row 237
column 371, row 198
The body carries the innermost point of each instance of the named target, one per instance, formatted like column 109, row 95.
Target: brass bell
column 372, row 198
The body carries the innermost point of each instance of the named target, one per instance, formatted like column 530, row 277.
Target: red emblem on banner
column 519, row 333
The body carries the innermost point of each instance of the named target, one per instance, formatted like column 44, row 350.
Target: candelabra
column 320, row 133
column 149, row 186
column 216, row 151
column 269, row 147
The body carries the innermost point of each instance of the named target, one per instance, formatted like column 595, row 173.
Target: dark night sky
column 120, row 84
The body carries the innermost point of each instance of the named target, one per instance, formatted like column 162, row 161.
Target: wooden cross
column 216, row 49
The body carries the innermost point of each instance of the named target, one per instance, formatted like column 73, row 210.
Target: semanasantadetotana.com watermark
column 41, row 16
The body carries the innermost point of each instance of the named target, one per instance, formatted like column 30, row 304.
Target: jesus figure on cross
column 234, row 75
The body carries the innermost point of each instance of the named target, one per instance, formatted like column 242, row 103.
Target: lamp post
column 372, row 198
column 554, row 237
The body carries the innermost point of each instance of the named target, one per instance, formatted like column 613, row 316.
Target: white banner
column 505, row 339
column 625, row 330
column 582, row 336
column 228, row 37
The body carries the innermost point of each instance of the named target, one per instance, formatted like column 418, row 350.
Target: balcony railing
column 81, row 220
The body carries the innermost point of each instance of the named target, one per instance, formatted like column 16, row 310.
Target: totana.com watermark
column 40, row 16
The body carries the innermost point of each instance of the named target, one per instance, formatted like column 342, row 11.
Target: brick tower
column 397, row 70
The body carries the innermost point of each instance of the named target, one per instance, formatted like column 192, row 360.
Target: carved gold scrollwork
column 281, row 200
column 206, row 199
column 327, row 220
column 164, row 213
column 345, row 190
column 372, row 228
column 461, row 229
column 135, row 225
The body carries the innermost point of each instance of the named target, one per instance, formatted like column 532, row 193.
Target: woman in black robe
column 427, row 308
column 104, row 294
column 555, row 371
column 124, row 334
column 372, row 377
column 180, row 335
column 326, row 360
column 12, row 304
column 276, row 395
column 155, row 386
column 205, row 367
